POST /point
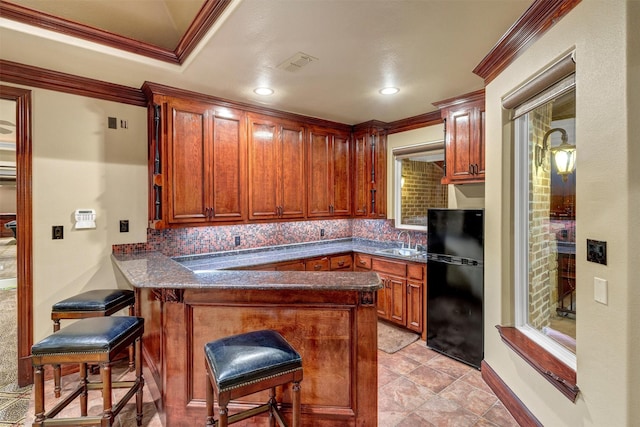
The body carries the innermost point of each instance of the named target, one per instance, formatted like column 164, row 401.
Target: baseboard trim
column 516, row 408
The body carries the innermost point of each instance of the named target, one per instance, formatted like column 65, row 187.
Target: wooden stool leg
column 131, row 351
column 56, row 380
column 296, row 404
column 38, row 383
column 107, row 414
column 223, row 416
column 210, row 417
column 273, row 404
column 83, row 394
column 140, row 378
column 56, row 368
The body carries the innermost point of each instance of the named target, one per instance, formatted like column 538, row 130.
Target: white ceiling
column 427, row 48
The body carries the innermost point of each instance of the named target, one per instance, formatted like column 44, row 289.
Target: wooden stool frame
column 225, row 396
column 56, row 316
column 104, row 360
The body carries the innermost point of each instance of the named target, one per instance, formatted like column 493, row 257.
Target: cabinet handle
column 470, row 169
column 362, row 262
column 206, row 212
column 317, row 266
column 340, row 263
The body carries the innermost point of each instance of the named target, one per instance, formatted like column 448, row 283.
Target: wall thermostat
column 85, row 218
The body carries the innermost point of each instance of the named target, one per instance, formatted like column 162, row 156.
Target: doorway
column 23, row 229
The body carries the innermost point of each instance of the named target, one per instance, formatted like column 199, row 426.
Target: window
column 419, row 171
column 545, row 218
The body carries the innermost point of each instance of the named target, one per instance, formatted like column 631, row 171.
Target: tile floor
column 416, row 387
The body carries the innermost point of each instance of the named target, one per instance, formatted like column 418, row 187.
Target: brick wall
column 542, row 244
column 421, row 190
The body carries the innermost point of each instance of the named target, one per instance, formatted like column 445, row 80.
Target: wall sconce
column 564, row 155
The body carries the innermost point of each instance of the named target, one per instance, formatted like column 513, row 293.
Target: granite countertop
column 252, row 257
column 154, row 270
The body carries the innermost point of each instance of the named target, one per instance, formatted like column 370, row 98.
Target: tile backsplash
column 202, row 240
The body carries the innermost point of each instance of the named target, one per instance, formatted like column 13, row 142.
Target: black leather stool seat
column 245, row 358
column 94, row 340
column 244, row 364
column 96, row 300
column 93, row 335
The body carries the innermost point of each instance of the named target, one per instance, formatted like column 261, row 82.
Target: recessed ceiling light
column 263, row 91
column 389, row 90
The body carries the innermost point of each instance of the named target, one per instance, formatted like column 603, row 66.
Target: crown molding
column 536, row 20
column 209, row 13
column 27, row 75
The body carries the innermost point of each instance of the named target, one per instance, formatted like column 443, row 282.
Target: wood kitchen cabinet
column 329, row 173
column 276, row 168
column 198, row 162
column 343, row 262
column 369, row 172
column 464, row 138
column 402, row 298
column 206, row 160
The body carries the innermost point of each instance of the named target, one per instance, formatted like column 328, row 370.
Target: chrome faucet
column 408, row 238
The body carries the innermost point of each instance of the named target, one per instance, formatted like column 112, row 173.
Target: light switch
column 600, row 290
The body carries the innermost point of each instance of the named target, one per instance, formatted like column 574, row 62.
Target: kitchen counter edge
column 155, row 270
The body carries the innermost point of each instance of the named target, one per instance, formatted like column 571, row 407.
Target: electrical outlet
column 57, row 232
column 322, row 232
column 124, row 124
column 124, row 225
column 237, row 240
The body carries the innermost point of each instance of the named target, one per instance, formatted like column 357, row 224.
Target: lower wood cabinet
column 402, row 299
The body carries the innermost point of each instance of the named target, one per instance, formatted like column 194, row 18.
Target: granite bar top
column 259, row 256
column 154, row 270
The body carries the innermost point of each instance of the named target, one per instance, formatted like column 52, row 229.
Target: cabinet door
column 228, row 165
column 188, row 142
column 341, row 175
column 361, row 174
column 479, row 149
column 383, row 297
column 379, row 158
column 398, row 300
column 319, row 177
column 291, row 171
column 263, row 168
column 415, row 304
column 459, row 147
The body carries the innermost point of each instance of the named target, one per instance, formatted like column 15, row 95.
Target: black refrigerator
column 455, row 283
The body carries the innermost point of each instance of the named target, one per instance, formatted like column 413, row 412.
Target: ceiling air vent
column 296, row 62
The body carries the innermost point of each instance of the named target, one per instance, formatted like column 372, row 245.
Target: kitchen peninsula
column 329, row 317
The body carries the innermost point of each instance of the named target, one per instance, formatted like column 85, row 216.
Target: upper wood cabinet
column 329, row 173
column 369, row 172
column 197, row 164
column 464, row 145
column 276, row 168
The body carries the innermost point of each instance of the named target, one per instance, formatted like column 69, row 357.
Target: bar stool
column 244, row 364
column 89, row 341
column 95, row 303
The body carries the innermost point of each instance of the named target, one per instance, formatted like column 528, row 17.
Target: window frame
column 522, row 168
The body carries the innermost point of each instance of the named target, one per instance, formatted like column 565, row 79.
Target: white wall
column 79, row 163
column 607, row 201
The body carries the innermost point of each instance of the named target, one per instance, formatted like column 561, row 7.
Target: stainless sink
column 401, row 252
